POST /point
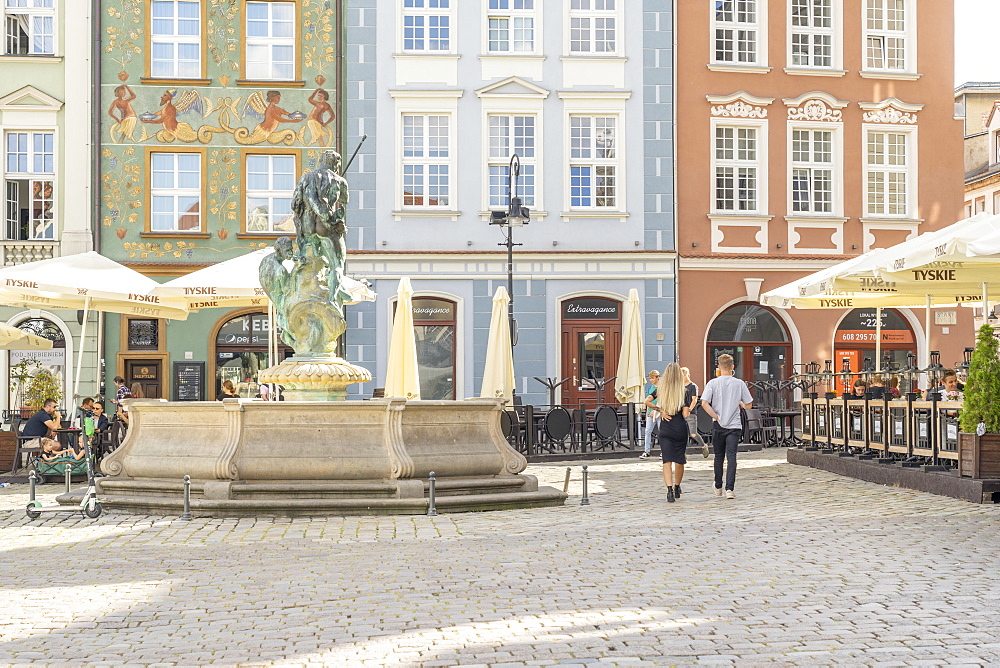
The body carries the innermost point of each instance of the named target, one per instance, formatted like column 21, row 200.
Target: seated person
column 51, row 451
column 859, row 389
column 123, row 414
column 41, row 423
column 893, row 388
column 228, row 391
column 877, row 389
column 86, row 408
column 949, row 383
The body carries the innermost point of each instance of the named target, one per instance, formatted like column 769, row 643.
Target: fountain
column 316, row 453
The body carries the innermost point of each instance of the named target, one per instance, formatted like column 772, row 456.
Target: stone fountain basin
column 252, row 457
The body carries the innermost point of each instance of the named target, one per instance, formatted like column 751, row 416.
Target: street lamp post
column 515, row 216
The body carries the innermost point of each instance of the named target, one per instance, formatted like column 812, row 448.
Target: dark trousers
column 726, row 443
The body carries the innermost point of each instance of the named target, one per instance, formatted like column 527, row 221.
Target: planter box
column 979, row 456
column 8, row 445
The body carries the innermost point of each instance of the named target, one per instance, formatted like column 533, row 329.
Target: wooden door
column 148, row 373
column 590, row 353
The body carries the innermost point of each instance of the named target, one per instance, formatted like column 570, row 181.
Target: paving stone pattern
column 803, row 568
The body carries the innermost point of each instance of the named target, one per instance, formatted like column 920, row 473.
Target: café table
column 787, row 439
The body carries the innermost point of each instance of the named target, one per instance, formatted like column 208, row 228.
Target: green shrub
column 982, row 389
column 41, row 386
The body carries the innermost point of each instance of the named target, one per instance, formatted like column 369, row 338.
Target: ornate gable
column 815, row 106
column 739, row 105
column 890, row 111
column 29, row 98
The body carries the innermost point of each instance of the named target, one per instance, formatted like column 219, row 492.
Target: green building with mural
column 212, row 110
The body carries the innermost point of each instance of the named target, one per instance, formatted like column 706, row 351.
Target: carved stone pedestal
column 315, row 377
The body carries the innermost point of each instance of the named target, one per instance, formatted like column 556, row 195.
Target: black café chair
column 17, row 426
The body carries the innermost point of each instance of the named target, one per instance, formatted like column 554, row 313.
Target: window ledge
column 269, row 82
column 817, row 218
column 887, row 74
column 511, row 56
column 756, row 217
column 40, row 58
column 814, row 72
column 419, row 55
column 535, row 215
column 426, row 213
column 741, row 69
column 581, row 57
column 591, row 213
column 266, row 236
column 174, row 82
column 890, row 221
column 175, row 235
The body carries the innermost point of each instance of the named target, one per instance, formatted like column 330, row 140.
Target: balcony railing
column 20, row 252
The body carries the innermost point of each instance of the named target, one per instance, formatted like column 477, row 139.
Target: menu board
column 189, row 381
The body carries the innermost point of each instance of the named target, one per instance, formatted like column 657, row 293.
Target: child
column 52, row 450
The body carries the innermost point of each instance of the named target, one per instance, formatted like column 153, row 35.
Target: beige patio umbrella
column 235, row 283
column 402, row 376
column 498, row 375
column 631, row 361
column 12, row 338
column 87, row 281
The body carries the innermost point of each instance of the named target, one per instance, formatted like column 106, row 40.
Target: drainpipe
column 95, row 124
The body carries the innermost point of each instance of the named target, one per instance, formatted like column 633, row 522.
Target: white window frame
column 835, row 32
column 511, row 13
column 31, row 10
column 593, row 11
column 428, row 15
column 835, row 166
column 269, row 42
column 759, row 26
column 40, row 228
column 176, row 40
column 760, row 164
column 427, row 161
column 270, row 194
column 503, row 162
column 596, row 121
column 996, row 202
column 177, row 192
column 908, row 34
column 911, row 171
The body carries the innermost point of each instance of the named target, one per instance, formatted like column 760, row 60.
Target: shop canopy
column 87, row 281
column 12, row 338
column 236, row 282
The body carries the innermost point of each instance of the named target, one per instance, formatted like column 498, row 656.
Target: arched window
column 54, row 360
column 434, row 330
column 757, row 340
column 241, row 352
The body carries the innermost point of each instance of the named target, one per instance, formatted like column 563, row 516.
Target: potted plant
column 979, row 440
column 41, row 386
column 20, row 373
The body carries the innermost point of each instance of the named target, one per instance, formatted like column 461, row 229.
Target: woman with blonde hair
column 673, row 402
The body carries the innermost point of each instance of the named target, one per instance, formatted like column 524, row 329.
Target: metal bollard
column 69, row 472
column 566, row 481
column 187, row 499
column 431, row 491
column 32, row 481
column 585, row 501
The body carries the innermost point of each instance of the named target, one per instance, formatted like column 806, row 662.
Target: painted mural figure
column 270, row 116
column 167, row 116
column 320, row 206
column 319, row 133
column 122, row 104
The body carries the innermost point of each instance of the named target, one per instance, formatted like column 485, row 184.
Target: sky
column 977, row 23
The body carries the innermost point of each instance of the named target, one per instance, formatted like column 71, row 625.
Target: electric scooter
column 89, row 506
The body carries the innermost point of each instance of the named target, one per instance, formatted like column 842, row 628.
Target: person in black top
column 39, row 424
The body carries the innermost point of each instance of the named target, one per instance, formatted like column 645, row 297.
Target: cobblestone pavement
column 804, row 567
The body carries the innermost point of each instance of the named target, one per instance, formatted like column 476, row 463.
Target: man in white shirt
column 722, row 399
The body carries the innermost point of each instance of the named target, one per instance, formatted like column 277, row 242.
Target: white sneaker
column 717, row 490
column 644, row 455
column 730, row 494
